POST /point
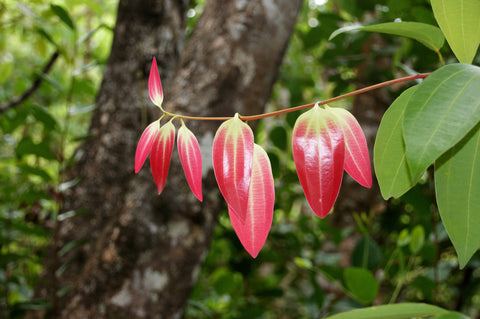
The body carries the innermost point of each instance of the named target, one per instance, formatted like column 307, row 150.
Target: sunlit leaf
column 63, row 15
column 161, row 154
column 361, row 283
column 155, row 85
column 459, row 21
column 319, row 155
column 427, row 34
column 357, row 159
column 389, row 153
column 443, row 109
column 144, row 145
column 261, row 197
column 457, row 185
column 232, row 163
column 191, row 159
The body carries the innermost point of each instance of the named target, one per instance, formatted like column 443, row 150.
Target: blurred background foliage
column 309, row 267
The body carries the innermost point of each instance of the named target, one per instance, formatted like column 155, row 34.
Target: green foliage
column 457, row 174
column 459, row 21
column 402, row 254
column 428, row 35
column 39, row 132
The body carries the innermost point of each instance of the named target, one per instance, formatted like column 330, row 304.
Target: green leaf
column 389, row 151
column 457, row 184
column 366, row 253
column 459, row 21
column 417, row 239
column 361, row 283
column 26, row 146
column 443, row 109
column 393, row 311
column 60, row 12
column 452, row 315
column 429, row 35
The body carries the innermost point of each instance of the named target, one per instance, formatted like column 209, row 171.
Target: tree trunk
column 140, row 253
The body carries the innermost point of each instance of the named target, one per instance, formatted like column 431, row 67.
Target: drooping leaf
column 457, row 186
column 361, row 283
column 261, row 197
column 429, row 35
column 191, row 159
column 60, row 12
column 357, row 159
column 232, row 163
column 392, row 311
column 459, row 21
column 443, row 109
column 161, row 154
column 319, row 155
column 144, row 145
column 155, row 85
column 389, row 153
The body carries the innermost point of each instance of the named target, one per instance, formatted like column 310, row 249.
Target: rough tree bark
column 143, row 252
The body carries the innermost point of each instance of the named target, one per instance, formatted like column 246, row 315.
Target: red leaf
column 155, row 85
column 319, row 155
column 261, row 197
column 191, row 159
column 161, row 154
column 145, row 144
column 232, row 163
column 357, row 158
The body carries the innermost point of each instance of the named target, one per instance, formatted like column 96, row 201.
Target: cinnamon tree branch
column 306, row 106
column 35, row 85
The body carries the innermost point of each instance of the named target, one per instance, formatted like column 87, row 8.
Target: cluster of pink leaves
column 325, row 142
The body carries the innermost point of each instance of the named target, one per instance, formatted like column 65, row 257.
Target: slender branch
column 35, row 85
column 301, row 107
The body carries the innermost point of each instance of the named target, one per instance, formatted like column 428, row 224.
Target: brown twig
column 35, row 85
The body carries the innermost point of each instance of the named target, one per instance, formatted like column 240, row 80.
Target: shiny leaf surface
column 191, row 159
column 161, row 154
column 357, row 159
column 232, row 163
column 389, row 153
column 261, row 197
column 145, row 144
column 443, row 109
column 457, row 176
column 155, row 85
column 319, row 155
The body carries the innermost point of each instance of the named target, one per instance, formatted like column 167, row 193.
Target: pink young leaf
column 261, row 197
column 161, row 154
column 357, row 158
column 145, row 144
column 319, row 155
column 155, row 85
column 191, row 159
column 232, row 163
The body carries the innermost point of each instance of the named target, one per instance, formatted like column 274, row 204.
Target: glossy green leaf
column 429, row 35
column 63, row 15
column 443, row 109
column 389, row 151
column 457, row 176
column 459, row 21
column 361, row 283
column 393, row 311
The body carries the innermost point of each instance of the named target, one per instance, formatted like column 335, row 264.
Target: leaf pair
column 245, row 179
column 158, row 141
column 325, row 142
column 437, row 122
